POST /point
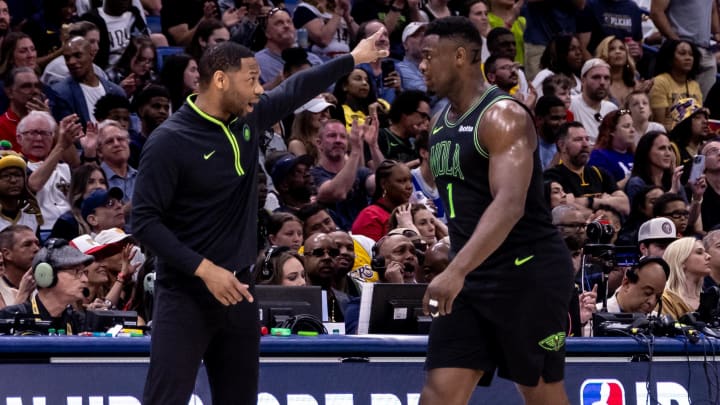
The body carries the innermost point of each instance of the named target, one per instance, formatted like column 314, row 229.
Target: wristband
column 590, row 202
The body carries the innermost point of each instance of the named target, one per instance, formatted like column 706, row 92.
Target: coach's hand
column 222, row 283
column 442, row 291
column 366, row 51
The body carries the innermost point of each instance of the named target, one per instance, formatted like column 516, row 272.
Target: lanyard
column 36, row 311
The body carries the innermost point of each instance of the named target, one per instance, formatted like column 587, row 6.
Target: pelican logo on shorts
column 465, row 128
column 246, row 132
column 554, row 342
column 602, row 392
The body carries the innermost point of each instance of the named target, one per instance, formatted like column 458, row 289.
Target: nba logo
column 602, row 392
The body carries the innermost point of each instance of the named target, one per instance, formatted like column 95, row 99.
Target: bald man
column 78, row 93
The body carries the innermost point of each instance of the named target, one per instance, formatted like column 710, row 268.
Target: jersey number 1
column 450, row 200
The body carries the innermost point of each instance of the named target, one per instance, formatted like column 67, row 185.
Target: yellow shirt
column 359, row 115
column 518, row 30
column 665, row 92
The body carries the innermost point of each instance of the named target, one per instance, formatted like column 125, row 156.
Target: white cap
column 657, row 229
column 411, row 29
column 592, row 63
column 315, row 105
column 112, row 235
column 86, row 244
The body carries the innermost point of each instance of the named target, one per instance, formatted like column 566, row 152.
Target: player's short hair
column 457, row 28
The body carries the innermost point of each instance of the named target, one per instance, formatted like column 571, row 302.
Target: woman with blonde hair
column 689, row 264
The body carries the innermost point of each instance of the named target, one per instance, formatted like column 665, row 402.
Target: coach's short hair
column 225, row 57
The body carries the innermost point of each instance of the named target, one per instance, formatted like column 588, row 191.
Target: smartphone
column 387, row 66
column 698, row 168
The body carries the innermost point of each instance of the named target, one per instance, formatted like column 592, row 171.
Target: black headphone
column 267, row 272
column 304, row 322
column 44, row 273
column 377, row 262
column 632, row 275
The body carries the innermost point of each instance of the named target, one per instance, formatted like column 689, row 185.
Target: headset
column 377, row 262
column 267, row 272
column 633, row 277
column 44, row 273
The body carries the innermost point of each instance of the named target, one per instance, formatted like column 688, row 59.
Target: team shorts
column 511, row 316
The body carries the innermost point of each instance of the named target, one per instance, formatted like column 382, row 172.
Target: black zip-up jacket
column 196, row 194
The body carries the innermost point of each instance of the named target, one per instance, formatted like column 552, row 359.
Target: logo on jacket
column 246, row 132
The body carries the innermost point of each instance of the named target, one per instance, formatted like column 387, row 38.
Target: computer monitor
column 393, row 309
column 277, row 303
column 102, row 320
column 615, row 324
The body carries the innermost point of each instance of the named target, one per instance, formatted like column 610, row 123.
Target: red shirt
column 373, row 221
column 8, row 127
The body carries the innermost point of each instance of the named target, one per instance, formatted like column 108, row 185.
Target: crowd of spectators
column 623, row 99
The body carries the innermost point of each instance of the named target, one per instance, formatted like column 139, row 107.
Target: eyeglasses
column 77, row 271
column 321, row 252
column 577, row 226
column 12, row 176
column 37, row 132
column 677, row 214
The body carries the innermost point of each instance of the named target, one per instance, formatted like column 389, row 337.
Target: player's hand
column 366, row 51
column 442, row 291
column 222, row 283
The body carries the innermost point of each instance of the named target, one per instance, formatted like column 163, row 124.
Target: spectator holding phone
column 382, row 73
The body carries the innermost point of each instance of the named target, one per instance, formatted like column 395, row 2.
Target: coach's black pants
column 184, row 332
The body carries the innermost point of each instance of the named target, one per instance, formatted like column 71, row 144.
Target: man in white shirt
column 50, row 179
column 590, row 106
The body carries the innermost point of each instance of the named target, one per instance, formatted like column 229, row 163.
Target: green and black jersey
column 460, row 165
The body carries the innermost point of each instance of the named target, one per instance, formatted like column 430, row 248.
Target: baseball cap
column 657, row 229
column 592, row 63
column 683, row 109
column 411, row 29
column 9, row 158
column 315, row 105
column 110, row 236
column 281, row 167
column 86, row 244
column 99, row 198
column 62, row 257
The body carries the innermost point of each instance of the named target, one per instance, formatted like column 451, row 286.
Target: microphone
column 86, row 292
